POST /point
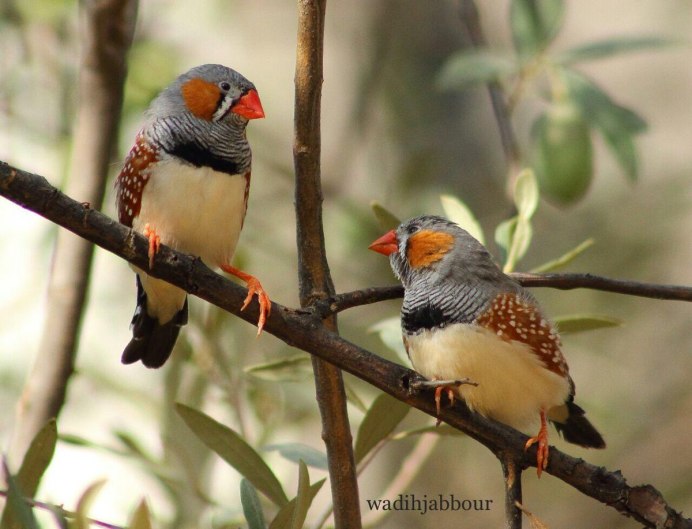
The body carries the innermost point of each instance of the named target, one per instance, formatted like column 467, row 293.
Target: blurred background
column 391, row 135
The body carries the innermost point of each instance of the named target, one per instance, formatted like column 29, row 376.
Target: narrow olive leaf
column 353, row 397
column 291, row 361
column 293, row 368
column 535, row 23
column 458, row 212
column 34, row 464
column 141, row 519
column 384, row 415
column 526, row 193
column 442, row 429
column 86, row 500
column 521, row 240
column 504, row 233
column 469, row 67
column 302, row 499
column 585, row 322
column 617, row 124
column 565, row 258
column 607, row 48
column 284, row 517
column 37, row 458
column 389, row 331
column 235, row 451
column 297, row 452
column 252, row 508
column 133, row 447
column 386, row 219
column 22, row 515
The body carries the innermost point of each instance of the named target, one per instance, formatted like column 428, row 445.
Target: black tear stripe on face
column 201, row 157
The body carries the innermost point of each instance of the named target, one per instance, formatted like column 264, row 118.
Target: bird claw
column 542, row 450
column 154, row 243
column 254, row 288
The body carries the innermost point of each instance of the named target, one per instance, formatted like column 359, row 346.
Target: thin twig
column 572, row 281
column 57, row 509
column 468, row 13
column 512, row 475
column 303, row 329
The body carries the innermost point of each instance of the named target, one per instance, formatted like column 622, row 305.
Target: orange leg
column 542, row 451
column 254, row 287
column 154, row 243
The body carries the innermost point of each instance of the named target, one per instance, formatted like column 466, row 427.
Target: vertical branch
column 313, row 269
column 107, row 29
column 512, row 473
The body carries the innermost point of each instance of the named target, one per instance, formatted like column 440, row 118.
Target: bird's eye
column 413, row 228
column 225, row 86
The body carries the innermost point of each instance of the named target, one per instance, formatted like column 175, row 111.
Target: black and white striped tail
column 152, row 343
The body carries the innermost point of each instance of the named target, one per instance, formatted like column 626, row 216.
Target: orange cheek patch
column 427, row 247
column 201, row 98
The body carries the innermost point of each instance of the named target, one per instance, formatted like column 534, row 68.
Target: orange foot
column 542, row 450
column 254, row 287
column 154, row 243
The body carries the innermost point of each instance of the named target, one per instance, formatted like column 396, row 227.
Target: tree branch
column 107, row 29
column 314, row 278
column 302, row 328
column 366, row 296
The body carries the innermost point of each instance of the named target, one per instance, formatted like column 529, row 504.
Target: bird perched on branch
column 462, row 317
column 185, row 183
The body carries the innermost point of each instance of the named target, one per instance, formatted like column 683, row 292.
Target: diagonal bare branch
column 303, row 328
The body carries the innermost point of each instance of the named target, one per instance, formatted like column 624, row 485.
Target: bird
column 185, row 183
column 463, row 318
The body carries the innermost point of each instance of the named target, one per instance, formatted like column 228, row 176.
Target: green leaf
column 565, row 258
column 504, row 233
column 386, row 219
column 585, row 322
column 353, row 397
column 389, row 331
column 86, row 500
column 458, row 212
column 535, row 23
column 521, row 240
column 526, row 193
column 609, row 47
column 442, row 429
column 22, row 515
column 470, row 67
column 382, row 418
column 235, row 451
column 618, row 125
column 300, row 452
column 285, row 369
column 302, row 499
column 252, row 508
column 284, row 517
column 34, row 465
column 141, row 518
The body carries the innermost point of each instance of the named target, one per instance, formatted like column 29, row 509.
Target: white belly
column 513, row 386
column 194, row 210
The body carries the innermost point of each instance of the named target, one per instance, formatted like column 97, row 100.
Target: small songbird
column 185, row 184
column 462, row 317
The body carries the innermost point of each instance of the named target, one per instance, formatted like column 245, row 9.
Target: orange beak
column 386, row 245
column 249, row 106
